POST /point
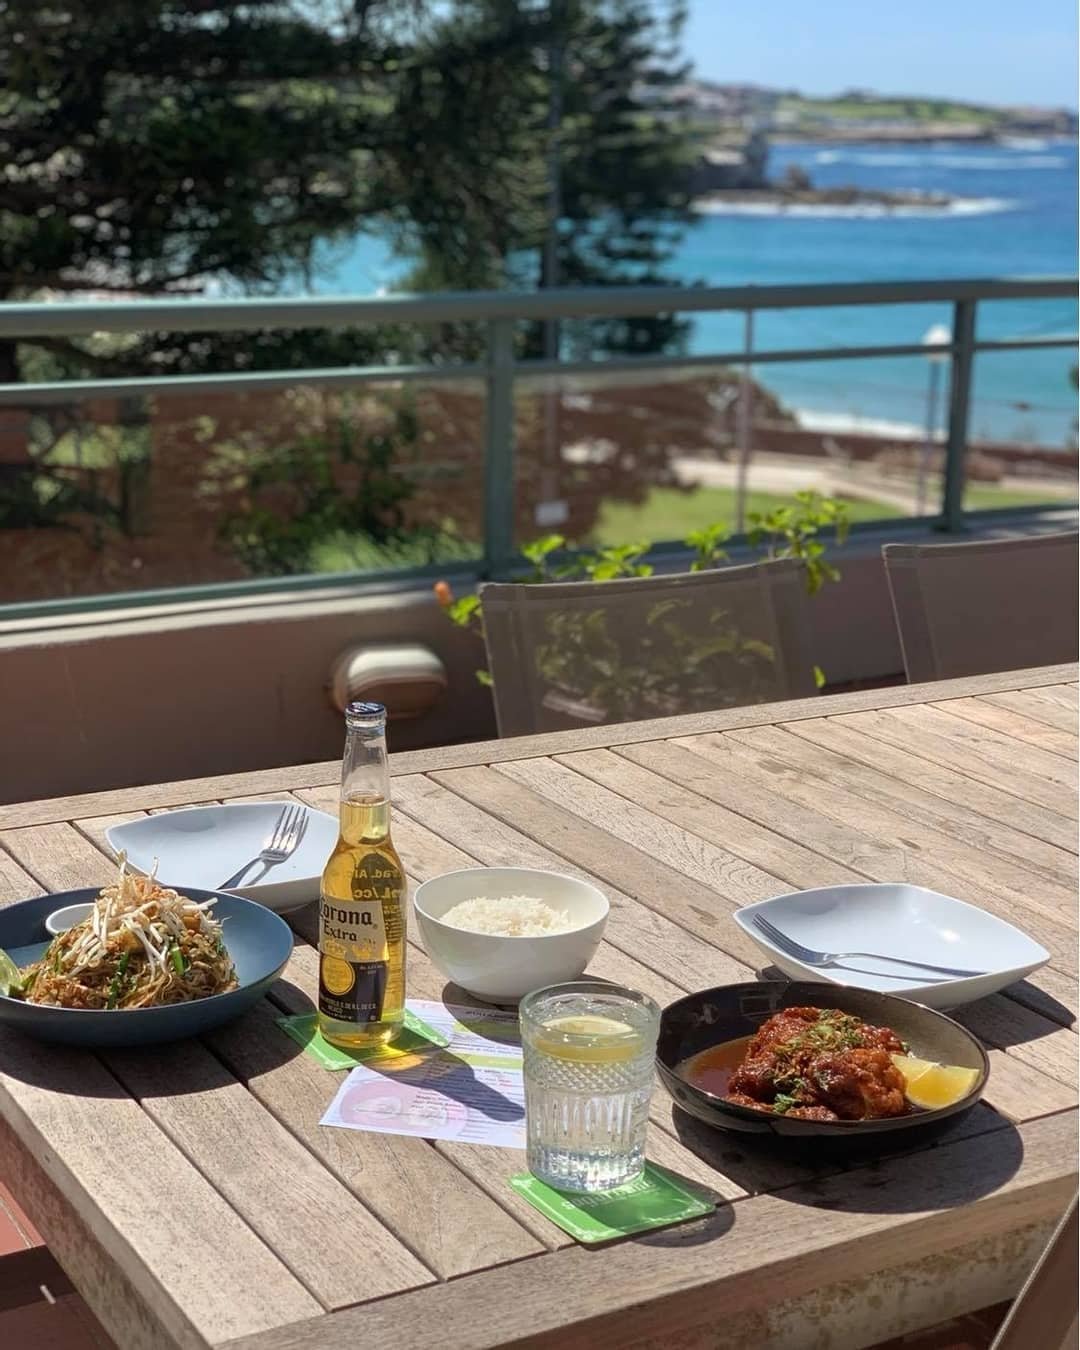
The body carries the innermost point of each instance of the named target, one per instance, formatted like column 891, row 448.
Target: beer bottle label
column 351, row 991
column 356, row 941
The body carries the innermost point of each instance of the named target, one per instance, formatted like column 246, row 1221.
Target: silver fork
column 289, row 828
column 809, row 957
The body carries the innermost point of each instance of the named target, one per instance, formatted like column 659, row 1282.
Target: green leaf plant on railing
column 672, row 667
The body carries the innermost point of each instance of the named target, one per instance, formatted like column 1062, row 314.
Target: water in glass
column 589, row 1050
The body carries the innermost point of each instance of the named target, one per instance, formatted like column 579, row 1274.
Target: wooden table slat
column 1011, row 722
column 427, row 1202
column 886, row 844
column 1064, row 694
column 130, row 1184
column 638, row 872
column 937, row 796
column 943, row 783
column 330, row 1242
column 1022, row 771
column 488, row 752
column 15, row 882
column 647, row 935
column 1035, row 705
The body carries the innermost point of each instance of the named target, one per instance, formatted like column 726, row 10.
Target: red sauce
column 711, row 1069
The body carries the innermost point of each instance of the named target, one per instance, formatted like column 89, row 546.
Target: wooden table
column 194, row 1200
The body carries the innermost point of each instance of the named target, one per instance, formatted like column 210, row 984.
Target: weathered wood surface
column 267, row 781
column 249, row 1224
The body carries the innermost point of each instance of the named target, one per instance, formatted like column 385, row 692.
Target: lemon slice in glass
column 932, row 1086
column 609, row 1040
column 11, row 977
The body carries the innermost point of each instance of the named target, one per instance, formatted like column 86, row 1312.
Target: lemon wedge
column 932, row 1086
column 613, row 1042
column 911, row 1066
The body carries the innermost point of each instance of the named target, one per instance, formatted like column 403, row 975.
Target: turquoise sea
column 1015, row 215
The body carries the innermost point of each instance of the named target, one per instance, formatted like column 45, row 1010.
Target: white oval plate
column 205, row 845
column 898, row 920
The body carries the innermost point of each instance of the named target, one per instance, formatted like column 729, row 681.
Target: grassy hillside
column 889, row 109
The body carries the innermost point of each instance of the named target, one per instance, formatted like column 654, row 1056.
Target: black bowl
column 258, row 941
column 714, row 1016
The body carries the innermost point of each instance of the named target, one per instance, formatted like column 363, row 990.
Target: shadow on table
column 1038, row 1000
column 1024, row 1024
column 696, row 1232
column 872, row 1177
column 452, row 1077
column 171, row 1069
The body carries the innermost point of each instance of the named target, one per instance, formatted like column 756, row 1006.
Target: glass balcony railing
column 161, row 487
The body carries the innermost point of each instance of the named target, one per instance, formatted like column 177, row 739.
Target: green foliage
column 415, row 546
column 312, row 489
column 708, row 547
column 538, row 553
column 464, row 611
column 617, row 561
column 794, row 532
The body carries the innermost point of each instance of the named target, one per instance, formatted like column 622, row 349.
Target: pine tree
column 557, row 117
column 152, row 146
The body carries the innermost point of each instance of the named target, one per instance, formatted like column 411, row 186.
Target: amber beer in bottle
column 362, row 915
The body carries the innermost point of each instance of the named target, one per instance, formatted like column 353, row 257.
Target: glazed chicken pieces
column 821, row 1064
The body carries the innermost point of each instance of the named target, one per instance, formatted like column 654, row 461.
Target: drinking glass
column 589, row 1051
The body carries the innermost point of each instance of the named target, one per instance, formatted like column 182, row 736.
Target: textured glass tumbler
column 589, row 1051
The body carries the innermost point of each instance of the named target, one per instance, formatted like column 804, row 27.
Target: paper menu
column 471, row 1091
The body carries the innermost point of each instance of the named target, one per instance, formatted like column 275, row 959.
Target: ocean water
column 1014, row 215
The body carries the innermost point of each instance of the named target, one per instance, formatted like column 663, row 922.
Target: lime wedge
column 610, row 1041
column 11, row 977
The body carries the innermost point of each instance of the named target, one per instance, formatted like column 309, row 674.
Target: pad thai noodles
column 142, row 946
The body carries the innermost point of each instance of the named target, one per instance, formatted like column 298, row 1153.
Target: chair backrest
column 969, row 609
column 568, row 654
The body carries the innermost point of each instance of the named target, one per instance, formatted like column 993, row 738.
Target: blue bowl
column 258, row 941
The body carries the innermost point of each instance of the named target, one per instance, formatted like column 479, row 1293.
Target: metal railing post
column 960, row 371
column 499, row 449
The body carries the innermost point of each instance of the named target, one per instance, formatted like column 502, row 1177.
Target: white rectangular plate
column 205, row 845
column 895, row 919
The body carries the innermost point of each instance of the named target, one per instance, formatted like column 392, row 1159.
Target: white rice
column 508, row 916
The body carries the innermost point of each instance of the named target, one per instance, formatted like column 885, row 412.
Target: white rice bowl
column 549, row 946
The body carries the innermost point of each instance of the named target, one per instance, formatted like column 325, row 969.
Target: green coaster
column 304, row 1029
column 654, row 1200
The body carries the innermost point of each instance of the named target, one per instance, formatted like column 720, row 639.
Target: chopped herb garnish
column 832, row 1031
column 782, row 1103
column 179, row 961
column 117, row 980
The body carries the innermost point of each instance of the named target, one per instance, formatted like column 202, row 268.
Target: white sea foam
column 838, row 423
column 897, row 159
column 960, row 206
